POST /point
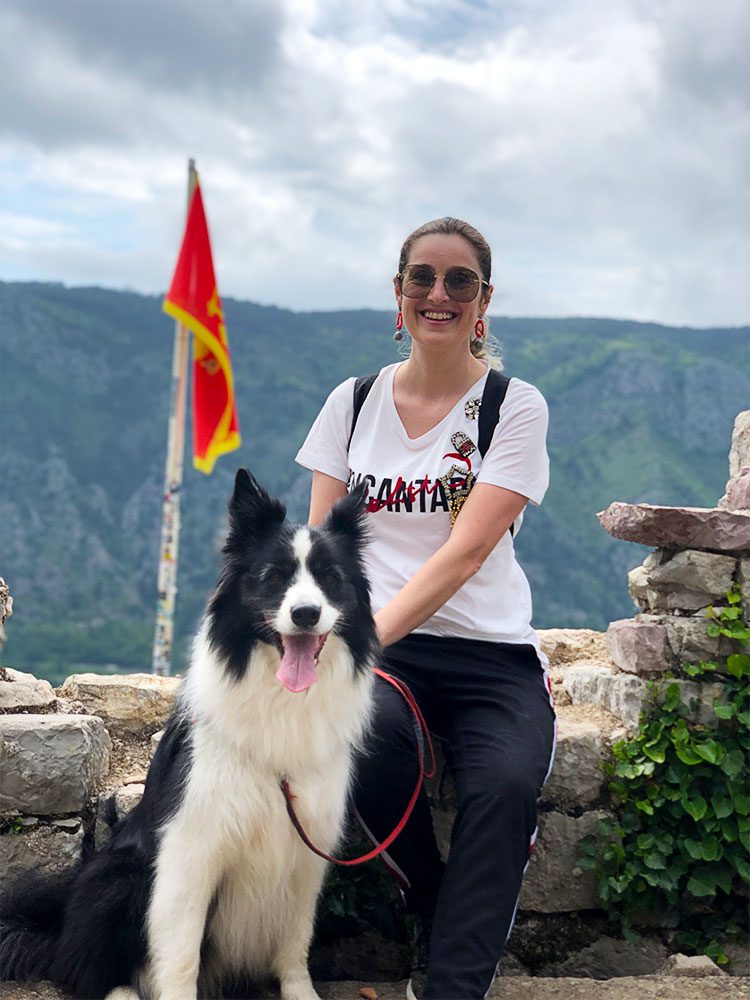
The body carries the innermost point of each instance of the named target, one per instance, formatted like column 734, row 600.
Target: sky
column 602, row 148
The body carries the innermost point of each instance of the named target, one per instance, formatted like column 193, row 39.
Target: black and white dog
column 206, row 881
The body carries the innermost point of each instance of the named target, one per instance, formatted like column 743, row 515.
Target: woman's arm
column 484, row 518
column 326, row 490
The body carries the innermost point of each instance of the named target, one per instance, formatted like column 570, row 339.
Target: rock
column 51, row 763
column 566, row 645
column 112, row 807
column 23, row 692
column 690, row 965
column 130, row 702
column 678, row 527
column 737, row 493
column 577, row 776
column 625, row 695
column 690, row 642
column 621, row 694
column 511, row 966
column 541, row 939
column 739, row 453
column 738, row 953
column 45, row 847
column 684, row 581
column 743, row 578
column 610, row 957
column 6, row 602
column 554, row 883
column 639, row 647
column 156, row 740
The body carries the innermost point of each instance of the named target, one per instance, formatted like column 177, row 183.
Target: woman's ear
column 397, row 290
column 485, row 299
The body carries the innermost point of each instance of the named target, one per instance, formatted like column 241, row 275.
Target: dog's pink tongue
column 297, row 671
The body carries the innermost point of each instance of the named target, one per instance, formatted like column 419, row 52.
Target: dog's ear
column 252, row 512
column 348, row 517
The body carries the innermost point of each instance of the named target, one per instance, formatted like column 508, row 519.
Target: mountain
column 638, row 412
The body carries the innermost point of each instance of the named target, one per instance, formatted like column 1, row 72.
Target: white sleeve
column 326, row 447
column 517, row 456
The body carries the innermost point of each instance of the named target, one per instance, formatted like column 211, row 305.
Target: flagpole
column 161, row 660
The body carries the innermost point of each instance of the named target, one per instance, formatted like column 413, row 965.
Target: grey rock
column 678, row 527
column 129, row 702
column 685, row 581
column 610, row 957
column 577, row 776
column 639, row 647
column 691, row 643
column 554, row 883
column 51, row 763
column 737, row 493
column 690, row 965
column 743, row 577
column 739, row 453
column 20, row 691
column 46, row 848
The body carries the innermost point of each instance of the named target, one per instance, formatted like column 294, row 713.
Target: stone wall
column 74, row 760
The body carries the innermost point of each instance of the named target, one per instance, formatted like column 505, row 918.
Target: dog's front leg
column 187, row 874
column 291, row 962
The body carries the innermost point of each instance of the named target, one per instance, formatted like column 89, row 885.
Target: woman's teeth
column 436, row 315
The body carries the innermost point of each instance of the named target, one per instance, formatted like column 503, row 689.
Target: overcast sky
column 602, row 147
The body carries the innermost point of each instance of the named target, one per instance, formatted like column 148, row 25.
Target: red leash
column 422, row 738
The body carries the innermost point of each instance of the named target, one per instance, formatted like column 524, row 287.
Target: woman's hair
column 485, row 348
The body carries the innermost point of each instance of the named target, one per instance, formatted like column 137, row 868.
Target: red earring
column 398, row 335
column 478, row 329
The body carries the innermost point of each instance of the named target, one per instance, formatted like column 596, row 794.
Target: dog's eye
column 333, row 576
column 272, row 575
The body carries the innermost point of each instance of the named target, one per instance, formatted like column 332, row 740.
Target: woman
column 452, row 605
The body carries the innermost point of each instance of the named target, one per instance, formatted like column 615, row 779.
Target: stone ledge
column 46, row 847
column 131, row 702
column 705, row 528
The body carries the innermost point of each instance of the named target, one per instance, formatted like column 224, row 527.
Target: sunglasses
column 460, row 283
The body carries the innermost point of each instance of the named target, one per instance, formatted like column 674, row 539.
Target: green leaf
column 741, row 803
column 687, row 756
column 655, row 860
column 723, row 711
column 672, row 699
column 711, row 849
column 734, row 595
column 645, row 841
column 733, row 763
column 695, row 807
column 694, row 848
column 709, row 750
column 701, row 887
column 645, row 806
column 722, row 806
column 738, row 665
column 743, row 867
column 657, row 752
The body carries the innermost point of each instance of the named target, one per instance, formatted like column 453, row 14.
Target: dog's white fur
column 230, row 848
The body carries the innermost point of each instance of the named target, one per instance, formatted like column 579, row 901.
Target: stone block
column 130, row 702
column 625, row 695
column 737, row 493
column 681, row 581
column 45, row 847
column 743, row 576
column 566, row 645
column 51, row 763
column 639, row 647
column 21, row 692
column 554, row 883
column 679, row 527
column 739, row 453
column 698, row 966
column 609, row 958
column 577, row 777
column 690, row 642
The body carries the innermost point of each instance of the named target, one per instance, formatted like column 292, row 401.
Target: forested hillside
column 638, row 412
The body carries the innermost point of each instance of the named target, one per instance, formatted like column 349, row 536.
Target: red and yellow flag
column 193, row 300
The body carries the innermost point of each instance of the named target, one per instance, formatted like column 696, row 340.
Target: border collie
column 205, row 883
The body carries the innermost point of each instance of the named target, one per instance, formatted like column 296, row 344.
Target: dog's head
column 290, row 586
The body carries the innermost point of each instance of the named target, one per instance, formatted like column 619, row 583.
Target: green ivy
column 676, row 854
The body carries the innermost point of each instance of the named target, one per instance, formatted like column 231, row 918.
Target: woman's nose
column 438, row 292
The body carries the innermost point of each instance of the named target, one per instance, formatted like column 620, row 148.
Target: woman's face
column 436, row 319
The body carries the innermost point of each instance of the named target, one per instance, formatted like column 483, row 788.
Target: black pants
column 489, row 705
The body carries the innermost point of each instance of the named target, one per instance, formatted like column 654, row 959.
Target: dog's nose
column 306, row 615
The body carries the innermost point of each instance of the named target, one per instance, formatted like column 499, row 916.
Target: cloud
column 602, row 148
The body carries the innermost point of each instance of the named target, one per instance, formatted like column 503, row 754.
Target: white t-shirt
column 413, row 483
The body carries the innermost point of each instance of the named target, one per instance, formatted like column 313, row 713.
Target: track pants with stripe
column 490, row 707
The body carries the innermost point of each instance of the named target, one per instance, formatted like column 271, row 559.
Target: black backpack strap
column 362, row 387
column 492, row 399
